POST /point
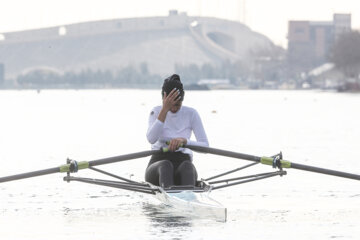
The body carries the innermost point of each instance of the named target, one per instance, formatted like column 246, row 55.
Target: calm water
column 41, row 130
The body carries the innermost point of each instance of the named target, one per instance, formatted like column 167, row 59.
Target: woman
column 170, row 126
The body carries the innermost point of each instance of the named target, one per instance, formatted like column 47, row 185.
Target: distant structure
column 342, row 24
column 309, row 42
column 159, row 42
column 216, row 83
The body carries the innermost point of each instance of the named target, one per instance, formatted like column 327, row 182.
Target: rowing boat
column 190, row 200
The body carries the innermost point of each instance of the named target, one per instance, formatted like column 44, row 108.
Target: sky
column 269, row 17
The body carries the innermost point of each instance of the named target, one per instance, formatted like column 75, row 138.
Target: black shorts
column 176, row 158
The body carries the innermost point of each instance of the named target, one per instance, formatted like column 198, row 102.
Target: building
column 342, row 24
column 310, row 42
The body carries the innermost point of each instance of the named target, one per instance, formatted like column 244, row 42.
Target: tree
column 346, row 54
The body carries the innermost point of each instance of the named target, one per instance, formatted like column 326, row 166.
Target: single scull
column 190, row 200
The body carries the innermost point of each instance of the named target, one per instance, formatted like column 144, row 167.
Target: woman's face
column 176, row 107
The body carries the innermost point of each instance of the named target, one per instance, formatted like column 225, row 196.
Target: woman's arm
column 156, row 121
column 155, row 127
column 199, row 132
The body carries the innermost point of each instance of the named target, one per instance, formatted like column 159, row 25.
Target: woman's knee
column 160, row 170
column 186, row 170
column 186, row 174
column 186, row 165
column 166, row 165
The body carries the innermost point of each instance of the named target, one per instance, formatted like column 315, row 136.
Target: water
column 41, row 130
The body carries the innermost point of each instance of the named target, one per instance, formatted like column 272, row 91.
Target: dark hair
column 173, row 82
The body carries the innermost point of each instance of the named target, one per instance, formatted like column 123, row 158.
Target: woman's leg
column 186, row 174
column 160, row 173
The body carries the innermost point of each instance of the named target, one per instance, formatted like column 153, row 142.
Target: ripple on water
column 355, row 196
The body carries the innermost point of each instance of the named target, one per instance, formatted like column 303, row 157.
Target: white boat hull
column 198, row 204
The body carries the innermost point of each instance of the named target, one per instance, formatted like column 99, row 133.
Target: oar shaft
column 224, row 153
column 122, row 158
column 30, row 174
column 325, row 171
column 269, row 161
column 81, row 165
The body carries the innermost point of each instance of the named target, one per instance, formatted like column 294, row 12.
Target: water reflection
column 161, row 215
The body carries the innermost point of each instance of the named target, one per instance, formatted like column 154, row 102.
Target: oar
column 271, row 161
column 80, row 165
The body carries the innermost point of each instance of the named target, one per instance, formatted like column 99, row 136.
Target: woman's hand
column 171, row 99
column 168, row 102
column 175, row 143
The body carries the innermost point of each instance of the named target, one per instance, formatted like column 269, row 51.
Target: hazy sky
column 269, row 17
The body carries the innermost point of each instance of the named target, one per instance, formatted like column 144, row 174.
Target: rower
column 170, row 126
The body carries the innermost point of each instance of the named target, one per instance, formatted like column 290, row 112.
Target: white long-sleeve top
column 179, row 124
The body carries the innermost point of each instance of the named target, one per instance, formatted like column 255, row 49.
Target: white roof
column 321, row 69
column 214, row 81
